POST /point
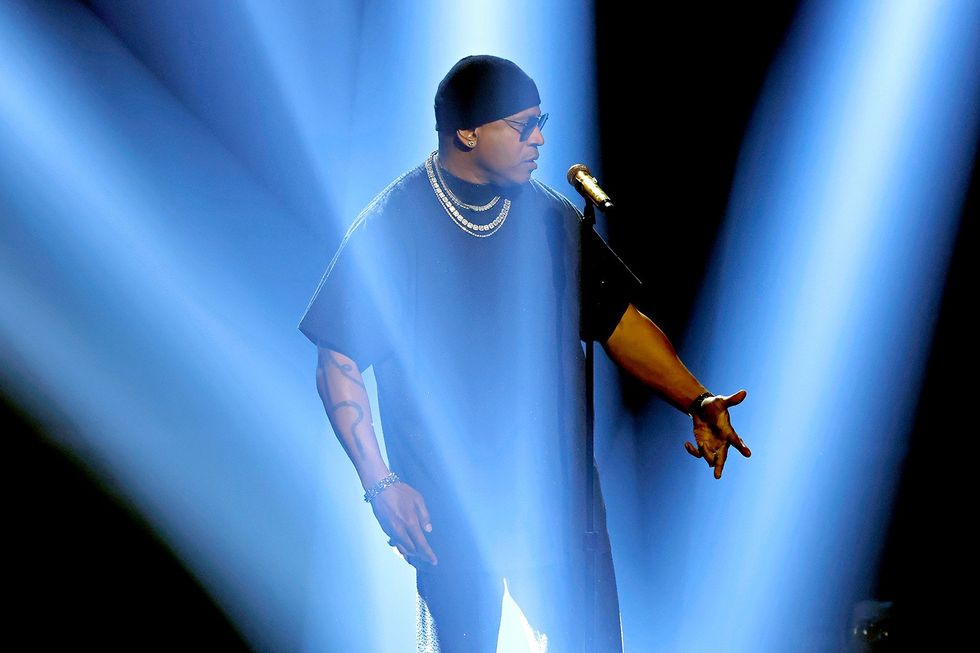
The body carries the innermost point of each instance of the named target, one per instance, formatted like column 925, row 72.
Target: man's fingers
column 738, row 444
column 422, row 544
column 404, row 542
column 735, row 399
column 691, row 450
column 720, row 459
column 423, row 514
column 707, row 454
column 398, row 546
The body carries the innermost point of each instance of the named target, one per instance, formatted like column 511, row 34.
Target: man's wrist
column 370, row 474
column 381, row 486
column 695, row 406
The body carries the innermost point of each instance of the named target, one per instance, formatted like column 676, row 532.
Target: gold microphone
column 583, row 181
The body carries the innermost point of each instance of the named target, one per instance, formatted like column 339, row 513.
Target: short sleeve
column 343, row 314
column 608, row 290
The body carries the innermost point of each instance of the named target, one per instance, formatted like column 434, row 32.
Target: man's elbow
column 625, row 329
column 321, row 379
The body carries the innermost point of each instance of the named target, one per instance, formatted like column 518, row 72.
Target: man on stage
column 460, row 284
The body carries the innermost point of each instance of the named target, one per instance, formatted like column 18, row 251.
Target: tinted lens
column 532, row 122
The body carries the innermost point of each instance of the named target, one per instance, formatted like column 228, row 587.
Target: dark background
column 677, row 88
column 669, row 157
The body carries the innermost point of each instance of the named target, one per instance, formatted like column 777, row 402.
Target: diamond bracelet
column 380, row 486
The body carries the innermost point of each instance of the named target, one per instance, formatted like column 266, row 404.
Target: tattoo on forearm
column 358, row 418
column 346, row 369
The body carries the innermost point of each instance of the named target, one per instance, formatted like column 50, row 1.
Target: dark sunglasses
column 527, row 127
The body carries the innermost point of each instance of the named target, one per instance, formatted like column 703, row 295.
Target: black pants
column 460, row 612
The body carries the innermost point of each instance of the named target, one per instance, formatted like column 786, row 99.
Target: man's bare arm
column 400, row 509
column 641, row 348
column 344, row 397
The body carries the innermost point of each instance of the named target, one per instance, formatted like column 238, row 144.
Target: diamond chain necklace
column 473, row 229
column 452, row 196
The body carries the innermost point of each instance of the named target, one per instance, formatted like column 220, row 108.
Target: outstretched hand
column 713, row 432
column 401, row 511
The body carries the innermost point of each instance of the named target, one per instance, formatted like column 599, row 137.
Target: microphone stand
column 591, row 537
column 591, row 244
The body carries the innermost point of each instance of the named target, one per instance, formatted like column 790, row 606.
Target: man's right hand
column 401, row 511
column 399, row 508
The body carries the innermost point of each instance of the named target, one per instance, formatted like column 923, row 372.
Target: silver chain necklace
column 452, row 196
column 472, row 228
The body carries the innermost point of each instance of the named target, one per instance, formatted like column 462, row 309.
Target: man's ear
column 467, row 137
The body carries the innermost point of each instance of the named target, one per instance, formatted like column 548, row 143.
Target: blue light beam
column 821, row 302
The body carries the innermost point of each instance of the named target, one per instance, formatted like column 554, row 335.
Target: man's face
column 501, row 153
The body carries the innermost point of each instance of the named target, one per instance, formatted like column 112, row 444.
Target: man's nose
column 536, row 137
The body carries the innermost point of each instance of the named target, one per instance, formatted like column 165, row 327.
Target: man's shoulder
column 392, row 206
column 549, row 195
column 405, row 188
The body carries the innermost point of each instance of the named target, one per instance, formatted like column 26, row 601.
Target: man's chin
column 514, row 182
column 520, row 179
